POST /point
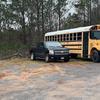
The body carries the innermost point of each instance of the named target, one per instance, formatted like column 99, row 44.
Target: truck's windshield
column 95, row 35
column 53, row 44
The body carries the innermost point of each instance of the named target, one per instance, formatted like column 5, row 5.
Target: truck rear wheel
column 95, row 56
column 32, row 56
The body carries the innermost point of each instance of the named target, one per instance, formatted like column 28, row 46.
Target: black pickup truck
column 49, row 50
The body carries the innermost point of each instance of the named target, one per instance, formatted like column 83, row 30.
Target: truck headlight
column 51, row 52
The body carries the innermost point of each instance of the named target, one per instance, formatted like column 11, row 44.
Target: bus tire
column 95, row 56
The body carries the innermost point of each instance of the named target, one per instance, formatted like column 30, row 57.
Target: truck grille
column 61, row 52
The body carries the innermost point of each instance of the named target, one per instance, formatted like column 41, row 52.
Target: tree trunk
column 59, row 14
column 38, row 20
column 23, row 23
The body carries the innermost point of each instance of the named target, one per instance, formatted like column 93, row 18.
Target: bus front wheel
column 95, row 56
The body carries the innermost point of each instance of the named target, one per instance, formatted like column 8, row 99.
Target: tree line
column 31, row 19
column 87, row 13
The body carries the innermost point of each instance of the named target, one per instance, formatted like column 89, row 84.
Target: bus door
column 85, row 44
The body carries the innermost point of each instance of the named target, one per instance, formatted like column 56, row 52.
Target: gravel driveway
column 22, row 79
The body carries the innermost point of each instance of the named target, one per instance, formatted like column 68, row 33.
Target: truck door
column 41, row 50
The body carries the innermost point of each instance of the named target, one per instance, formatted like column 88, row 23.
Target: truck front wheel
column 66, row 59
column 47, row 58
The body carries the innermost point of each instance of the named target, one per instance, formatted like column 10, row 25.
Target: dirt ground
column 23, row 79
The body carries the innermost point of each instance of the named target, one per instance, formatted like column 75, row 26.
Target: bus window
column 50, row 38
column 58, row 38
column 64, row 37
column 47, row 38
column 55, row 38
column 61, row 37
column 70, row 37
column 74, row 37
column 67, row 37
column 79, row 36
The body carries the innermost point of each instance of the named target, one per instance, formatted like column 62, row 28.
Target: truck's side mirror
column 41, row 45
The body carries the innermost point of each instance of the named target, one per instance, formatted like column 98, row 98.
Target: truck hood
column 58, row 49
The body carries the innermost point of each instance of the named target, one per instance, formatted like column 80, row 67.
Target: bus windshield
column 95, row 35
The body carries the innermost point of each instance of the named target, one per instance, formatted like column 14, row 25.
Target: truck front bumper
column 59, row 56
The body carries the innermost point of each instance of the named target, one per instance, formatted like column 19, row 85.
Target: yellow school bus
column 82, row 41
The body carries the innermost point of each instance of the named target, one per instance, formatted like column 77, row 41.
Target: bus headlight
column 51, row 52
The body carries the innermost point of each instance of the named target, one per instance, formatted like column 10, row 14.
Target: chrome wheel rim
column 32, row 56
column 46, row 59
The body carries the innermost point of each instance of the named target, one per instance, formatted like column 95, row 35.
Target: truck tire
column 95, row 56
column 66, row 59
column 74, row 56
column 47, row 59
column 32, row 56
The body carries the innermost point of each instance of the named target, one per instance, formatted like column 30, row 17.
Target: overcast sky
column 70, row 8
